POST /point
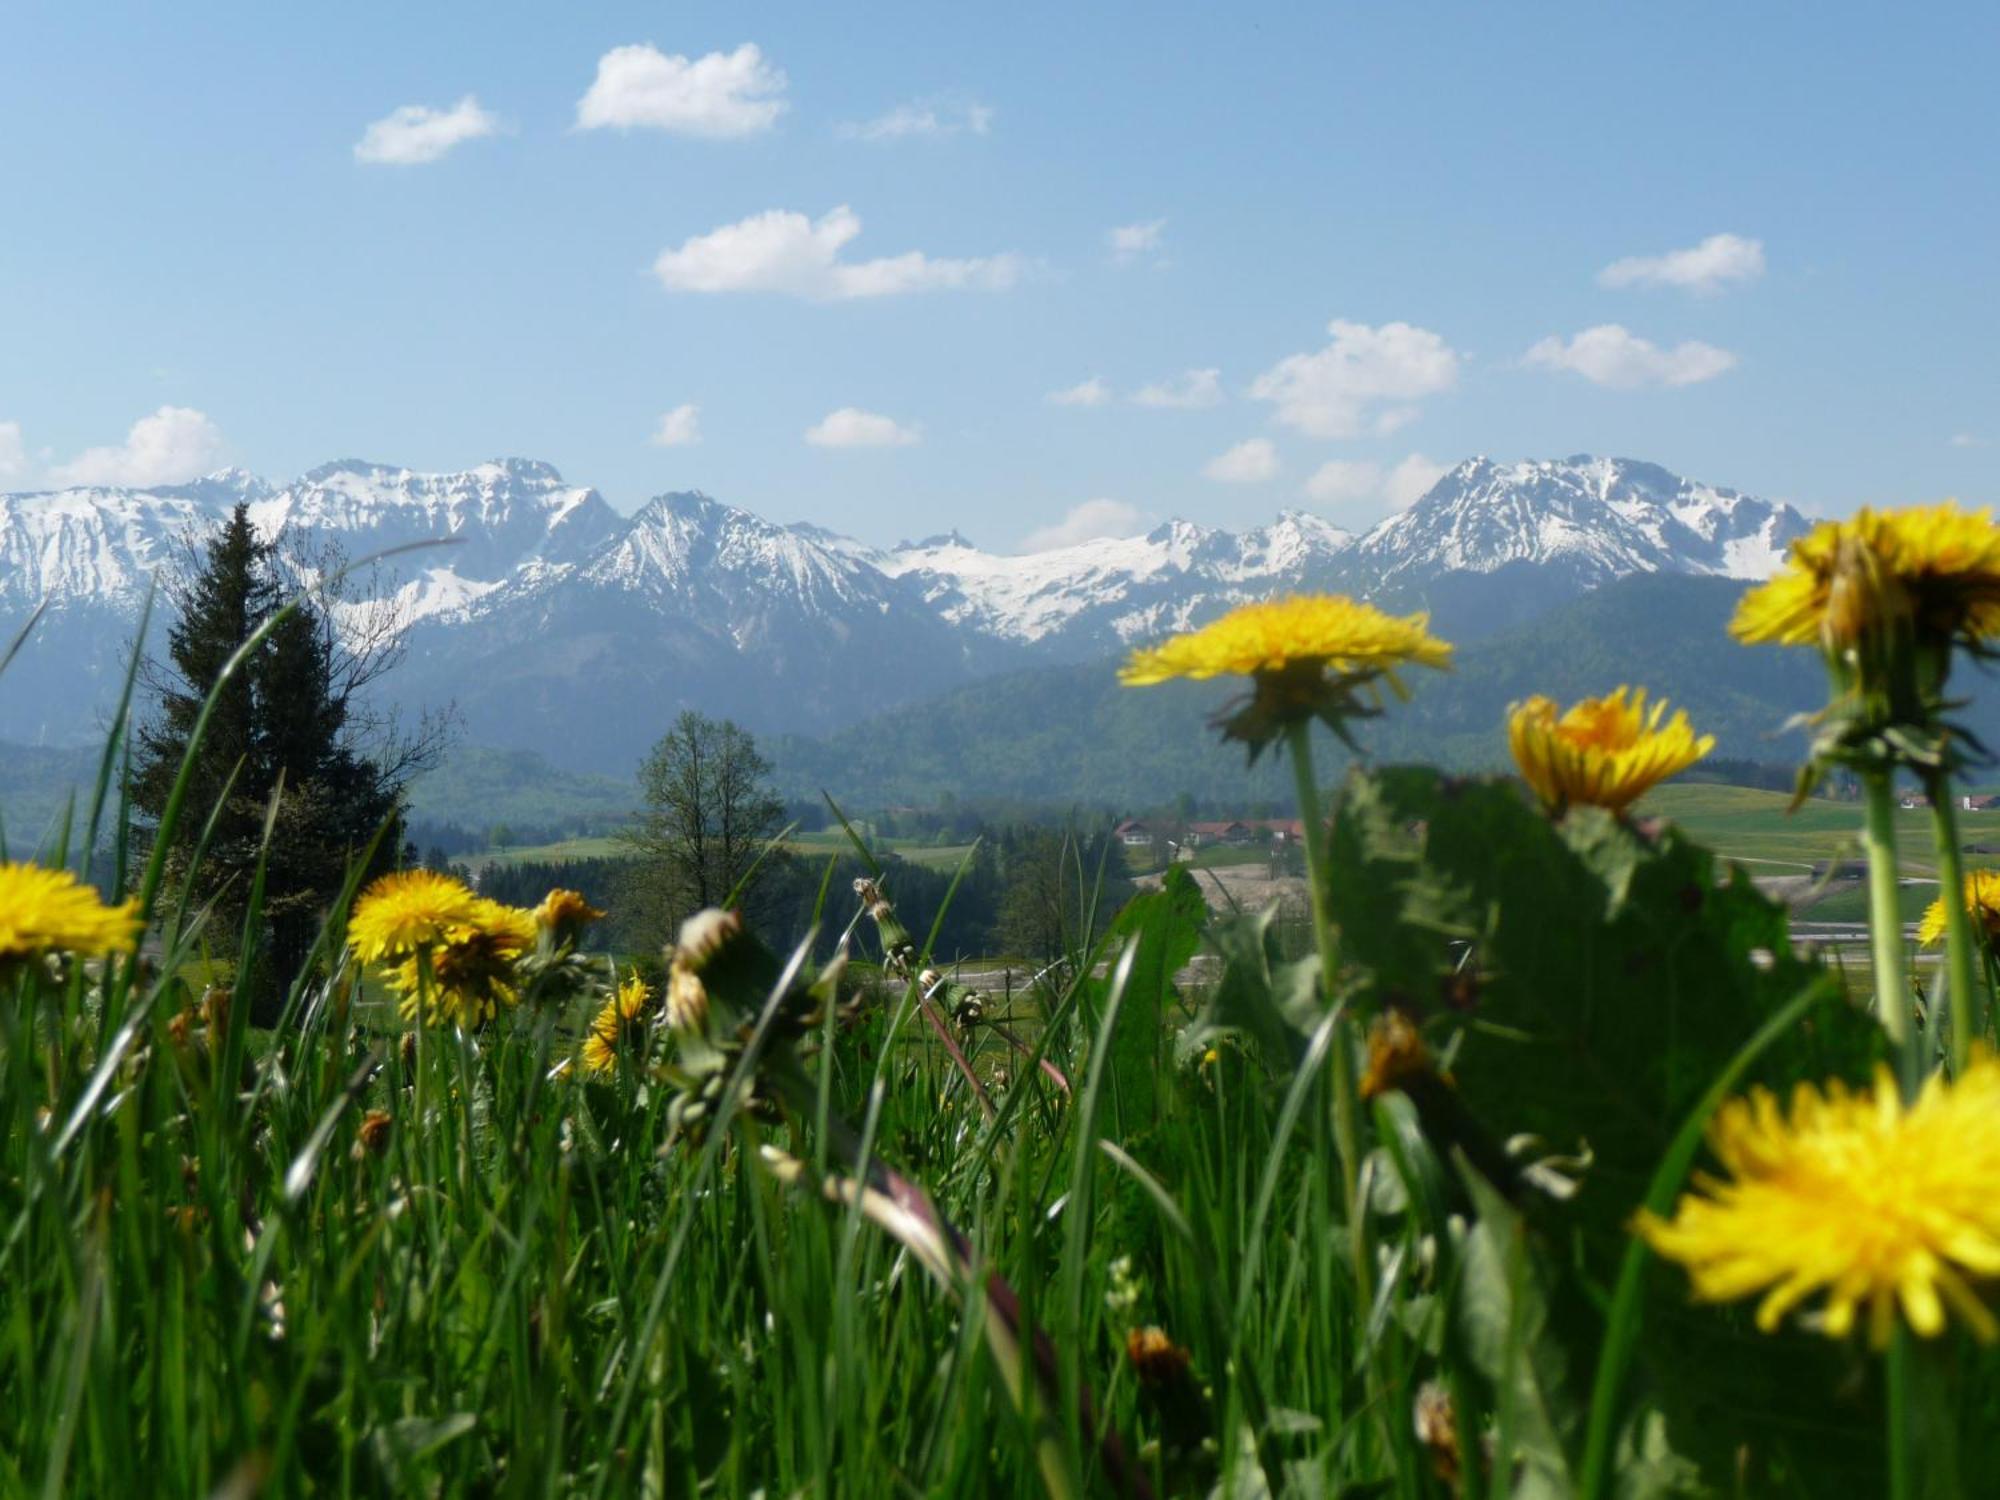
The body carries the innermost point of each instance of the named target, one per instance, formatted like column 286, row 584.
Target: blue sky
column 1383, row 228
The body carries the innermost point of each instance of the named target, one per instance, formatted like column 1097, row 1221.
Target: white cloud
column 173, row 445
column 1087, row 522
column 1411, row 480
column 679, row 428
column 1343, row 481
column 1130, row 241
column 1958, row 440
column 1614, row 356
column 13, row 451
column 1343, row 391
column 1091, row 392
column 721, row 95
column 1250, row 462
column 1707, row 267
column 786, row 252
column 1187, row 391
column 416, row 133
column 1350, row 482
column 933, row 118
column 851, row 427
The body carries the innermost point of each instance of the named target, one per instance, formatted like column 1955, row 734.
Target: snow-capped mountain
column 498, row 519
column 99, row 546
column 692, row 604
column 1093, row 597
column 1584, row 519
column 557, row 624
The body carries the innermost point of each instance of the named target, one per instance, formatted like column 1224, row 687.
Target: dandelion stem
column 1902, row 1468
column 1966, row 1017
column 1885, row 924
column 1299, row 740
column 1346, row 1104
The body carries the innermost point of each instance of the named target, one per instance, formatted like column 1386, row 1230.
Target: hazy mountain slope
column 698, row 605
column 1073, row 732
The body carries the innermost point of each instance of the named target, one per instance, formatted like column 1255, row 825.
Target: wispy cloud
column 679, row 428
column 1343, row 481
column 1705, row 268
column 1614, row 356
column 1188, row 391
column 173, row 445
column 1086, row 522
column 786, row 252
column 851, row 427
column 1967, row 440
column 933, row 119
column 1361, row 382
column 417, row 134
column 13, row 451
column 719, row 95
column 1131, row 242
column 1346, row 482
column 1411, row 480
column 1091, row 392
column 1250, row 462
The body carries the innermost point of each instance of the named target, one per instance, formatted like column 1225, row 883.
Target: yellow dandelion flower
column 1876, row 1204
column 1982, row 904
column 620, row 1026
column 1320, row 631
column 1602, row 752
column 405, row 911
column 50, row 911
column 564, row 914
column 1308, row 656
column 472, row 970
column 1944, row 559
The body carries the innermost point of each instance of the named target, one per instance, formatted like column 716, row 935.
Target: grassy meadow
column 821, row 845
column 1379, row 1212
column 1760, row 828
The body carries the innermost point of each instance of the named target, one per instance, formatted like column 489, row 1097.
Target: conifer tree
column 281, row 728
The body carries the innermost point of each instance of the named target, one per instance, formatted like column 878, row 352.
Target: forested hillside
column 1074, row 733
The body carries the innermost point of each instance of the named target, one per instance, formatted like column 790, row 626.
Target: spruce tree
column 279, row 727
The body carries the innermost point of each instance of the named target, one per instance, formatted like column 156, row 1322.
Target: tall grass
column 870, row 1237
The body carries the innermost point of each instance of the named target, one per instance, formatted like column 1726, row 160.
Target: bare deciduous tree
column 709, row 812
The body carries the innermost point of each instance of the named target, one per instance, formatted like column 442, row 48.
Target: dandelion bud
column 872, row 900
column 1396, row 1055
column 687, row 1000
column 1435, row 1419
column 704, row 935
column 373, row 1137
column 1156, row 1359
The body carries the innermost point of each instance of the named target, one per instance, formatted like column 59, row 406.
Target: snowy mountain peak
column 1589, row 518
column 688, row 544
column 695, row 602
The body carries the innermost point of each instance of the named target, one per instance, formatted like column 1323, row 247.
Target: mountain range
column 560, row 626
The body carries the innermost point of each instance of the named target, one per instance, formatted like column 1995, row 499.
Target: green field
column 820, row 845
column 1756, row 828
